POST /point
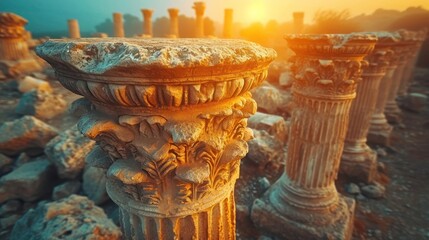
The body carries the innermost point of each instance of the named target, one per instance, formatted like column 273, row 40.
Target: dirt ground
column 402, row 215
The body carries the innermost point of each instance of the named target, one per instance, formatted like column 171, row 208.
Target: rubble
column 94, row 184
column 41, row 104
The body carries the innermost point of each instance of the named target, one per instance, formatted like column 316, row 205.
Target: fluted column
column 199, row 7
column 147, row 22
column 359, row 161
column 172, row 135
column 174, row 22
column 74, row 31
column 227, row 23
column 118, row 25
column 298, row 22
column 304, row 201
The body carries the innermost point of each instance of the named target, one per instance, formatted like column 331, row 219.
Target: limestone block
column 265, row 149
column 5, row 161
column 29, row 182
column 30, row 83
column 66, row 189
column 26, row 134
column 75, row 217
column 286, row 79
column 94, row 184
column 41, row 104
column 273, row 124
column 68, row 151
column 270, row 99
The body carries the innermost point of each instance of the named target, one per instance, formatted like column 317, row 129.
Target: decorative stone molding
column 147, row 22
column 359, row 161
column 304, row 200
column 174, row 22
column 199, row 8
column 171, row 116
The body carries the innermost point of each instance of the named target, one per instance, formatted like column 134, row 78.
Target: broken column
column 15, row 57
column 359, row 161
column 118, row 25
column 173, row 134
column 147, row 22
column 304, row 201
column 402, row 49
column 199, row 7
column 74, row 31
column 298, row 22
column 380, row 130
column 227, row 23
column 174, row 22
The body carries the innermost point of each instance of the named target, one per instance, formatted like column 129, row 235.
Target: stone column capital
column 12, row 25
column 147, row 13
column 199, row 7
column 173, row 12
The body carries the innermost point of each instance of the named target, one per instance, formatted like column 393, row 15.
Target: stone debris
column 94, row 184
column 10, row 206
column 353, row 189
column 415, row 102
column 26, row 134
column 75, row 217
column 264, row 183
column 29, row 182
column 273, row 124
column 66, row 189
column 22, row 159
column 286, row 79
column 4, row 162
column 9, row 221
column 374, row 191
column 270, row 99
column 29, row 83
column 41, row 104
column 265, row 149
column 68, row 151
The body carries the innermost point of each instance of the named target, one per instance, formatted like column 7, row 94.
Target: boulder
column 273, row 124
column 66, row 189
column 4, row 161
column 26, row 134
column 29, row 182
column 94, row 184
column 41, row 104
column 68, row 151
column 265, row 149
column 286, row 79
column 75, row 217
column 415, row 102
column 375, row 191
column 30, row 83
column 270, row 99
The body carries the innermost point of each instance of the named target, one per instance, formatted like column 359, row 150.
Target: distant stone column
column 74, row 31
column 304, row 203
column 402, row 49
column 118, row 25
column 172, row 149
column 13, row 45
column 298, row 22
column 227, row 23
column 359, row 161
column 174, row 22
column 147, row 22
column 199, row 7
column 408, row 76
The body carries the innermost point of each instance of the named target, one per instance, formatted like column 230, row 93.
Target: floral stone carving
column 304, row 200
column 170, row 118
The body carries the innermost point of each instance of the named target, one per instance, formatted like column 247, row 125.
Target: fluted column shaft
column 326, row 70
column 147, row 21
column 227, row 23
column 170, row 137
column 174, row 21
column 74, row 31
column 199, row 7
column 118, row 25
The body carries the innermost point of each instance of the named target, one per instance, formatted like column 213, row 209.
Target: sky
column 52, row 15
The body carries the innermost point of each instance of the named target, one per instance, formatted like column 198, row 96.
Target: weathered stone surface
column 4, row 161
column 265, row 149
column 270, row 99
column 66, row 189
column 286, row 79
column 273, row 124
column 276, row 68
column 415, row 102
column 30, row 83
column 75, row 217
column 353, row 189
column 27, row 134
column 9, row 221
column 22, row 159
column 375, row 191
column 94, row 184
column 28, row 182
column 10, row 207
column 41, row 104
column 68, row 151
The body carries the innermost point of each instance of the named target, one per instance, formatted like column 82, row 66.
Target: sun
column 256, row 11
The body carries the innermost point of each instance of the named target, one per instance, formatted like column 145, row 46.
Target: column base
column 380, row 136
column 393, row 113
column 359, row 167
column 267, row 217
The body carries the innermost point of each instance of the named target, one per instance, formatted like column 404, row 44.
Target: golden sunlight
column 256, row 11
